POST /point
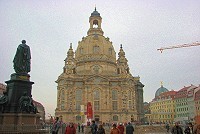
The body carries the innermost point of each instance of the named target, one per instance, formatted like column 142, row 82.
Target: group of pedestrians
column 120, row 129
column 189, row 129
column 69, row 129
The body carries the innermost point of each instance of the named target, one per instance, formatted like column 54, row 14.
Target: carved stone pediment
column 97, row 80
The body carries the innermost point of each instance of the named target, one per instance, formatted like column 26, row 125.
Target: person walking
column 189, row 128
column 82, row 127
column 121, row 128
column 70, row 129
column 114, row 130
column 129, row 129
column 79, row 127
column 101, row 130
column 177, row 129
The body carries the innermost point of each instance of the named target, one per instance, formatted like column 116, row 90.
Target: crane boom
column 179, row 46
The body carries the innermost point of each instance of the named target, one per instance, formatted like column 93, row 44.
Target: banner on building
column 89, row 111
column 82, row 109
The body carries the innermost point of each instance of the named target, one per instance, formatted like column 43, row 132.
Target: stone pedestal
column 15, row 89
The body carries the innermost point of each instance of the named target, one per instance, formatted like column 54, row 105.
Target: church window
column 95, row 24
column 96, row 95
column 62, row 105
column 129, row 95
column 118, row 71
column 96, row 105
column 114, row 105
column 96, row 49
column 81, row 50
column 115, row 118
column 78, row 105
column 110, row 51
column 114, row 94
column 78, row 95
column 129, row 104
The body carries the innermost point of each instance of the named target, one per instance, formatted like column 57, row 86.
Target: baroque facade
column 93, row 74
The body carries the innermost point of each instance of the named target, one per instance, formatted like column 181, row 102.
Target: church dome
column 161, row 90
column 95, row 13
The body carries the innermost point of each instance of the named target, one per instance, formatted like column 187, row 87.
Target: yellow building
column 163, row 106
column 93, row 74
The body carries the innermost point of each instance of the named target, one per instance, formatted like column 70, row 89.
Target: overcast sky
column 141, row 26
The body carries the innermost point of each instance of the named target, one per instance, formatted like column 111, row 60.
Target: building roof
column 182, row 93
column 197, row 94
column 161, row 90
column 95, row 13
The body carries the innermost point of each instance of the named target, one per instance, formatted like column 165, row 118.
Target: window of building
column 96, row 95
column 78, row 95
column 110, row 51
column 115, row 118
column 96, row 49
column 81, row 50
column 96, row 105
column 114, row 94
column 78, row 105
column 114, row 105
column 129, row 105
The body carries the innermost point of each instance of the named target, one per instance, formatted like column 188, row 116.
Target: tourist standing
column 93, row 127
column 197, row 129
column 56, row 126
column 129, row 128
column 101, row 130
column 79, row 127
column 82, row 127
column 167, row 127
column 189, row 129
column 70, row 129
column 114, row 130
column 177, row 129
column 121, row 128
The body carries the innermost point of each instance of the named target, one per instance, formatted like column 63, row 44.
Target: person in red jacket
column 70, row 129
column 121, row 128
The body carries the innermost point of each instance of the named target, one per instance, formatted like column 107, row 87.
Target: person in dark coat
column 101, row 130
column 177, row 129
column 129, row 129
column 189, row 128
column 93, row 127
column 79, row 127
column 167, row 127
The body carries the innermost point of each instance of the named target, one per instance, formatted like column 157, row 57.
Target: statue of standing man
column 22, row 59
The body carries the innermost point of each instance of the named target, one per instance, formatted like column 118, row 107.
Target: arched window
column 115, row 118
column 96, row 95
column 95, row 24
column 96, row 100
column 78, row 99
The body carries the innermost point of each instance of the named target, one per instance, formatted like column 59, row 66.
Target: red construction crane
column 179, row 46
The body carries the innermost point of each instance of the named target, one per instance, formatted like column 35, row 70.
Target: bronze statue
column 26, row 104
column 3, row 101
column 22, row 58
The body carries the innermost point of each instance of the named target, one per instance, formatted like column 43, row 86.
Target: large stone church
column 92, row 74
